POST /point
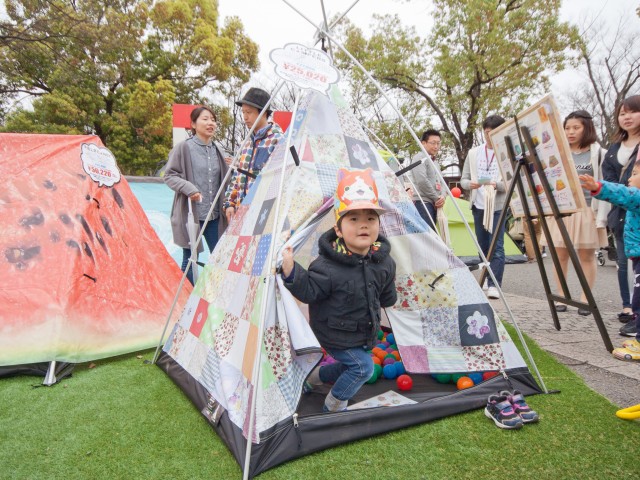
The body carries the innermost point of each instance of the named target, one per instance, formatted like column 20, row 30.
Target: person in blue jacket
column 629, row 199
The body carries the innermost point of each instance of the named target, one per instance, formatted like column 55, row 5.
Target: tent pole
column 325, row 25
column 257, row 363
column 50, row 377
column 233, row 166
column 485, row 262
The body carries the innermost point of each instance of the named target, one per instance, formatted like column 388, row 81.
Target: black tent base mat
column 62, row 370
column 314, row 431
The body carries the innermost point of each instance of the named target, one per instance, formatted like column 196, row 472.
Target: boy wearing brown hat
column 255, row 151
column 346, row 286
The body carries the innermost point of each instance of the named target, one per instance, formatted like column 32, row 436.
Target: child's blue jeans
column 352, row 369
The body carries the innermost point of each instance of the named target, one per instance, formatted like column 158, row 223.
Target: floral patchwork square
column 238, row 219
column 435, row 289
column 247, row 267
column 440, row 326
column 477, row 325
column 329, row 149
column 484, row 357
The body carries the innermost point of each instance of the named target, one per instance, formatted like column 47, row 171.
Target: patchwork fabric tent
column 462, row 244
column 242, row 347
column 82, row 273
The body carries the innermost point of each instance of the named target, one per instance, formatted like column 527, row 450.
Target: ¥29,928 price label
column 308, row 68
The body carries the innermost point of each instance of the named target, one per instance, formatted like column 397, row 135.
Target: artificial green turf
column 126, row 419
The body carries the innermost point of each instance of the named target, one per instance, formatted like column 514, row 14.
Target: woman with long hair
column 586, row 228
column 616, row 167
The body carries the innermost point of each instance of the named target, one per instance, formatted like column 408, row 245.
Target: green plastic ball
column 442, row 377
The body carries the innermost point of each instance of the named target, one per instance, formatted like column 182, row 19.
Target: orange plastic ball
column 377, row 361
column 396, row 354
column 464, row 382
column 381, row 354
column 456, row 192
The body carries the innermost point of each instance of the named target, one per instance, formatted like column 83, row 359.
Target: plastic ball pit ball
column 456, row 376
column 488, row 375
column 456, row 192
column 389, row 371
column 376, row 360
column 389, row 361
column 476, row 377
column 442, row 377
column 464, row 382
column 399, row 368
column 391, row 338
column 381, row 354
column 404, row 382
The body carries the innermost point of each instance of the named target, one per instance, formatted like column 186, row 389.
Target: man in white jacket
column 481, row 176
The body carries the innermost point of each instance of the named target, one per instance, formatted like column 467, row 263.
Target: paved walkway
column 578, row 340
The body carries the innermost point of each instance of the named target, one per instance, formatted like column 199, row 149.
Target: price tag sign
column 307, row 67
column 100, row 164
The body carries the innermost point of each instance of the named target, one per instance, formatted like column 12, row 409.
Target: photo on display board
column 551, row 145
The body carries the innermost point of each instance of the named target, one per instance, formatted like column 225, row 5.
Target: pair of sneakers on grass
column 509, row 410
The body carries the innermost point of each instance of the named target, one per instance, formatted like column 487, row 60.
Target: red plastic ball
column 456, row 192
column 488, row 375
column 404, row 382
column 464, row 382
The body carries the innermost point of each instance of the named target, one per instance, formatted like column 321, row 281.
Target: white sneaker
column 544, row 254
column 492, row 292
column 485, row 285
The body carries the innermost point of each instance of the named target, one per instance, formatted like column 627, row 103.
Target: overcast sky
column 272, row 23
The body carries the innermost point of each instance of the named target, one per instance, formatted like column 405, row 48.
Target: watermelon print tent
column 243, row 337
column 82, row 273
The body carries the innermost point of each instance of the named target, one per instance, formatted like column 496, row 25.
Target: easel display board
column 545, row 126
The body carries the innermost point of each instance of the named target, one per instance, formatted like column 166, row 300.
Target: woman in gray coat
column 195, row 171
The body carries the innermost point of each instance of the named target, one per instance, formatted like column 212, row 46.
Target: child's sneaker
column 630, row 350
column 520, row 406
column 500, row 410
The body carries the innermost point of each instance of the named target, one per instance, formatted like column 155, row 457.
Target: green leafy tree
column 114, row 68
column 481, row 57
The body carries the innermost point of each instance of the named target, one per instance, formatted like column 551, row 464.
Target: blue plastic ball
column 400, row 368
column 382, row 346
column 389, row 371
column 391, row 338
column 476, row 377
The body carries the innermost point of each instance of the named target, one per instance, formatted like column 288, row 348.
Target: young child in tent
column 346, row 286
column 629, row 199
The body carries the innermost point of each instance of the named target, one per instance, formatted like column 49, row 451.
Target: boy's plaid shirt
column 253, row 158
